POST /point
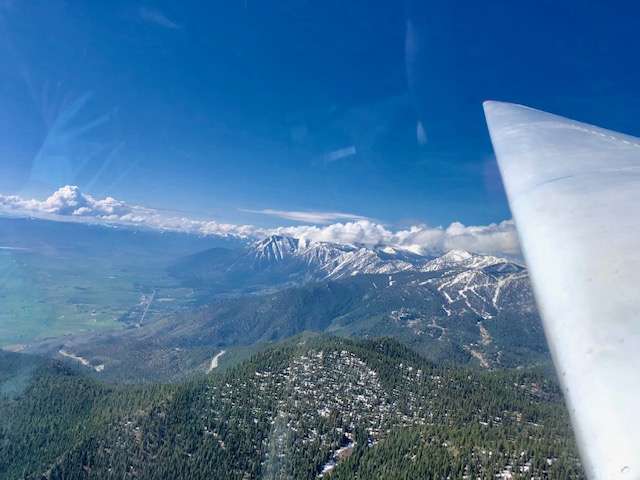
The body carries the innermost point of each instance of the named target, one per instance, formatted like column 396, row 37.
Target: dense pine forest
column 313, row 406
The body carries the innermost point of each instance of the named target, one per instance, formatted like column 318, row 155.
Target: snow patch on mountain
column 477, row 281
column 472, row 261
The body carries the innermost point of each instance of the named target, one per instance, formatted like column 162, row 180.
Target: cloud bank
column 69, row 203
column 497, row 239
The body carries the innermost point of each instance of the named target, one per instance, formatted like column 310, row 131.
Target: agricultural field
column 53, row 286
column 42, row 295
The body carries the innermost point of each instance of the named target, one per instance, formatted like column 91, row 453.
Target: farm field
column 87, row 279
column 43, row 295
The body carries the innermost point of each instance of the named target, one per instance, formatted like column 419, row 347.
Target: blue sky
column 243, row 111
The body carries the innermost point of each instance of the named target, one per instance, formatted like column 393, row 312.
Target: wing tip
column 493, row 105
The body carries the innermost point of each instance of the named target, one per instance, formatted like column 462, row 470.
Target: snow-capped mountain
column 399, row 253
column 277, row 262
column 483, row 284
column 278, row 252
column 473, row 261
column 454, row 287
column 327, row 260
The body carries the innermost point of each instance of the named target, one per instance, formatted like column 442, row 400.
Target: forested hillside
column 312, row 406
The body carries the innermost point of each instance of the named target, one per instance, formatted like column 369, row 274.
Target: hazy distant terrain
column 146, row 306
column 58, row 278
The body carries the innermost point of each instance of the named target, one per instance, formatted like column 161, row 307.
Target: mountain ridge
column 286, row 261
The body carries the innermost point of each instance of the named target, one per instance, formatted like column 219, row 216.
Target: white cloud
column 71, row 204
column 340, row 154
column 494, row 238
column 363, row 231
column 499, row 239
column 322, row 218
column 68, row 203
column 158, row 18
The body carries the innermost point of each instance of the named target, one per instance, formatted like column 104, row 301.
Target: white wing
column 574, row 191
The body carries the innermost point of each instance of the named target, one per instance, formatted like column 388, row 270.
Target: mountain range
column 276, row 262
column 458, row 307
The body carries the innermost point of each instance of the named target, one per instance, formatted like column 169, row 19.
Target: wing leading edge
column 574, row 191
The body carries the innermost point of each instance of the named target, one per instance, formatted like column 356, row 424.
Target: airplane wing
column 574, row 191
